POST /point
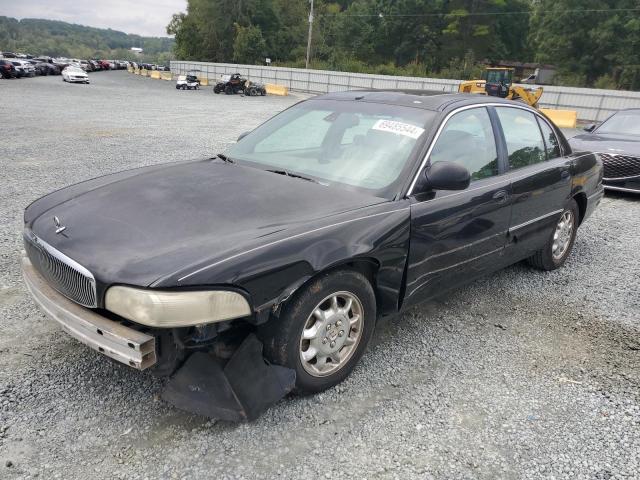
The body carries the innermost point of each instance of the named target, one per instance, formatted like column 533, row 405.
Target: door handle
column 565, row 174
column 501, row 196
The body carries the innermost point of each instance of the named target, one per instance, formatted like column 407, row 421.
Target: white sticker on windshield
column 399, row 128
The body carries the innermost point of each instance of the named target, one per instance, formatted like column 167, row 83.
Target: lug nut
column 341, row 333
column 324, row 340
column 339, row 323
column 333, row 344
column 328, row 326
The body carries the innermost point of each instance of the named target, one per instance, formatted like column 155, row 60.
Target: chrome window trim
column 423, row 164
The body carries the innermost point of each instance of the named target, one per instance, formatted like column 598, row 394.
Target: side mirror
column 242, row 135
column 447, row 176
column 590, row 128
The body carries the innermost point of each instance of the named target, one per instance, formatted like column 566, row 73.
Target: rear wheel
column 323, row 330
column 559, row 245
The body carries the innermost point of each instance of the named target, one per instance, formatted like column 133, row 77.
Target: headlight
column 175, row 309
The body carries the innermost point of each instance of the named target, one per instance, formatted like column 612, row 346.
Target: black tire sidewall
column 282, row 335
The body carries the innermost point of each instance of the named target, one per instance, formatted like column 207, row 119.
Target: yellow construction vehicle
column 498, row 82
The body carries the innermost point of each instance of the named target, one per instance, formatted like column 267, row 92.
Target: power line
column 480, row 14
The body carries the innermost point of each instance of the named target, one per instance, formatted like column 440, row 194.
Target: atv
column 230, row 84
column 254, row 89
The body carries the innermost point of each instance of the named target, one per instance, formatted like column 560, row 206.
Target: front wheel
column 559, row 245
column 323, row 330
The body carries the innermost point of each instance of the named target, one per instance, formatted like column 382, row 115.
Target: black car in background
column 617, row 140
column 340, row 210
column 7, row 69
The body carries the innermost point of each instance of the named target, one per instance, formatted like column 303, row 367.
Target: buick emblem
column 59, row 227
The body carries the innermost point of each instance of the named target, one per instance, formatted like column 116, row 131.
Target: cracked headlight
column 175, row 308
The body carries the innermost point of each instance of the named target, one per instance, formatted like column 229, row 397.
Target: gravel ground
column 520, row 375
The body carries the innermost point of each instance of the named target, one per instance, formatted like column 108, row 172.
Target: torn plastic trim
column 240, row 391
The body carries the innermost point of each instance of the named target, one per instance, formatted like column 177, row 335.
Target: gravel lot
column 520, row 375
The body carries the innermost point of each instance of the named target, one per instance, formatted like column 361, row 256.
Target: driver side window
column 467, row 139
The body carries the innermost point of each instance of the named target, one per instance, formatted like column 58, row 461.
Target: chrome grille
column 61, row 272
column 619, row 167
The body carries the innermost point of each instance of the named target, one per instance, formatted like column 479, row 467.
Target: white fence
column 591, row 104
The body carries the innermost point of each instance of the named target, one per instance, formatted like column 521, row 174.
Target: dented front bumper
column 122, row 343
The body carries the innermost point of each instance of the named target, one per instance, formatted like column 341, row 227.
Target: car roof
column 425, row 99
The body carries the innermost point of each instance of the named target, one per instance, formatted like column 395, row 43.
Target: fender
column 271, row 272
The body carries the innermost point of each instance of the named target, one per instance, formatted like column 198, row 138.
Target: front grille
column 62, row 273
column 618, row 167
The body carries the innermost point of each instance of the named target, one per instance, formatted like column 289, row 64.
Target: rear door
column 458, row 236
column 540, row 178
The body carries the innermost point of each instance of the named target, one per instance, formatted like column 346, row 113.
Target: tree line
column 593, row 43
column 61, row 39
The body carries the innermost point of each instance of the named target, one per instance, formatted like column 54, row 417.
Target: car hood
column 137, row 226
column 607, row 143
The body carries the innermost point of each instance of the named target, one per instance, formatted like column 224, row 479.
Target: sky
column 143, row 17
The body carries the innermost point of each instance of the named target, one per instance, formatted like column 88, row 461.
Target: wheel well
column 581, row 200
column 365, row 266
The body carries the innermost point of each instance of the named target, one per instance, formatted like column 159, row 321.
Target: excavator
column 498, row 82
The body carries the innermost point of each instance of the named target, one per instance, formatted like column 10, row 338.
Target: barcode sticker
column 398, row 128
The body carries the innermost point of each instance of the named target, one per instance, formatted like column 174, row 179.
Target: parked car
column 338, row 211
column 74, row 74
column 7, row 69
column 45, row 68
column 23, row 68
column 617, row 140
column 105, row 65
column 86, row 66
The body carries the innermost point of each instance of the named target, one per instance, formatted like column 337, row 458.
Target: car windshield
column 359, row 145
column 623, row 123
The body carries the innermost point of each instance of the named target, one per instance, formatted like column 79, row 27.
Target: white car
column 23, row 68
column 74, row 75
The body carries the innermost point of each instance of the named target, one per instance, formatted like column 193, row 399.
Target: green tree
column 249, row 45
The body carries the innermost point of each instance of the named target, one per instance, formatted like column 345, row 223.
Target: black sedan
column 617, row 140
column 338, row 211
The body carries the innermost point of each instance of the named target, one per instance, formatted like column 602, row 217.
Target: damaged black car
column 264, row 269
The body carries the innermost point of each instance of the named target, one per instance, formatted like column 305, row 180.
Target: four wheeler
column 230, row 84
column 254, row 89
column 188, row 82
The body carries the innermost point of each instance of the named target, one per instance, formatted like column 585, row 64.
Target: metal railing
column 591, row 104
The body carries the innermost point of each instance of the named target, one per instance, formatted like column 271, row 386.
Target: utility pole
column 310, row 32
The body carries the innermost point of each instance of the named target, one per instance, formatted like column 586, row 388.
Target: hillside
column 56, row 38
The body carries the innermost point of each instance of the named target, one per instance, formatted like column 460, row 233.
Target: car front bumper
column 631, row 185
column 118, row 341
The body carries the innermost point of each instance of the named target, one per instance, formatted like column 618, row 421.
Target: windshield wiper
column 295, row 175
column 224, row 158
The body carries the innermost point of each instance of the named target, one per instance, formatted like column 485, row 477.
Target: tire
column 563, row 239
column 228, row 90
column 283, row 336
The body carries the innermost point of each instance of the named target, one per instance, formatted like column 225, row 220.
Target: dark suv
column 7, row 70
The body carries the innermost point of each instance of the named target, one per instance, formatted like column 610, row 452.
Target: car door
column 540, row 178
column 457, row 236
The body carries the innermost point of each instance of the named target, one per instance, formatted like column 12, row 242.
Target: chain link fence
column 591, row 104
